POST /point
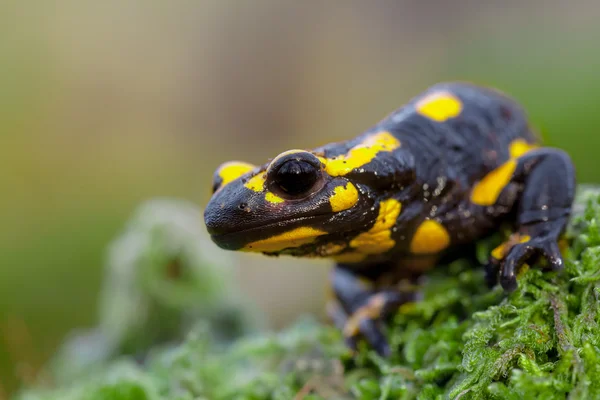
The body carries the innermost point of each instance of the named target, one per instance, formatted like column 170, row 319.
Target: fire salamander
column 432, row 177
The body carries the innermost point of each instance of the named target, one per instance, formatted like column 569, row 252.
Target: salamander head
column 301, row 203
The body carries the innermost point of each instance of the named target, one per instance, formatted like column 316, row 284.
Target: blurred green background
column 105, row 104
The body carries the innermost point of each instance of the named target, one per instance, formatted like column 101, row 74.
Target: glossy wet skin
column 392, row 192
column 441, row 172
column 306, row 203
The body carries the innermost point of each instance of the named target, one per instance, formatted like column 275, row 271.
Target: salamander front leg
column 364, row 309
column 548, row 179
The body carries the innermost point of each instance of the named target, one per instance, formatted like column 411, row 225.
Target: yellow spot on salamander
column 439, row 106
column 256, row 183
column 518, row 147
column 430, row 237
column 378, row 239
column 273, row 198
column 232, row 170
column 294, row 238
column 486, row 191
column 344, row 197
column 360, row 154
column 500, row 252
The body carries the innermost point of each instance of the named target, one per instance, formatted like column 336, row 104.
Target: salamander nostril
column 242, row 206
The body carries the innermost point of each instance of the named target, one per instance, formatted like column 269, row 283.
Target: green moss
column 161, row 276
column 462, row 341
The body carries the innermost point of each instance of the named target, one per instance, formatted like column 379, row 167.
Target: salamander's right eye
column 228, row 172
column 295, row 175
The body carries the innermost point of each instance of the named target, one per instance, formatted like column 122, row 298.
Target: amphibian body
column 437, row 174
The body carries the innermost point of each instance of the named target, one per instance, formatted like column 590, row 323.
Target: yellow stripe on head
column 439, row 106
column 273, row 198
column 256, row 183
column 232, row 170
column 360, row 154
column 294, row 238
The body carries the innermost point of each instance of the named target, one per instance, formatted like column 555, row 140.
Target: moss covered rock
column 462, row 341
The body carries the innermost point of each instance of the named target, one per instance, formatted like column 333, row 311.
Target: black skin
column 432, row 175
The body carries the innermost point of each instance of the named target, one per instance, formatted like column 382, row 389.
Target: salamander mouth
column 235, row 240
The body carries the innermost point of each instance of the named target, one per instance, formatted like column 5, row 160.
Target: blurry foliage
column 463, row 341
column 161, row 277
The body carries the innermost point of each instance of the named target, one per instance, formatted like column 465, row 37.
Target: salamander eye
column 296, row 177
column 295, row 174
